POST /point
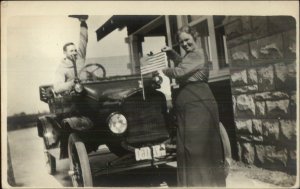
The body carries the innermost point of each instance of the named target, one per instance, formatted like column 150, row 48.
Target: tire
column 80, row 170
column 50, row 161
column 226, row 147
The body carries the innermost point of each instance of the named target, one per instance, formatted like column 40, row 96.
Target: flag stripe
column 153, row 68
column 157, row 62
column 156, row 55
column 154, row 63
column 155, row 58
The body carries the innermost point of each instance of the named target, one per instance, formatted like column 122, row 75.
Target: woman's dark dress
column 200, row 160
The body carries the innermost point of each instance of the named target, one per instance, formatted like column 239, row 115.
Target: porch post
column 135, row 52
column 169, row 40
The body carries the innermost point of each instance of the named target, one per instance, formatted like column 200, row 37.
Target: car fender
column 47, row 131
column 78, row 123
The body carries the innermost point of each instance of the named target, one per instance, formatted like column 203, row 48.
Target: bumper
column 128, row 162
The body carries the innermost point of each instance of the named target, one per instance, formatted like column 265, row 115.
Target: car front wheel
column 80, row 170
column 50, row 160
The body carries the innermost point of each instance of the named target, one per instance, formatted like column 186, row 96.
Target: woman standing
column 200, row 160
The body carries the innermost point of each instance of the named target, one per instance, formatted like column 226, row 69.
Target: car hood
column 119, row 94
column 112, row 90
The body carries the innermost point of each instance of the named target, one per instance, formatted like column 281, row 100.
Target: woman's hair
column 189, row 30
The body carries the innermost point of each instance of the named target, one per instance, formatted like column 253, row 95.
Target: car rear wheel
column 80, row 170
column 226, row 147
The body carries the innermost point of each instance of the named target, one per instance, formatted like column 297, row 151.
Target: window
column 212, row 40
column 221, row 41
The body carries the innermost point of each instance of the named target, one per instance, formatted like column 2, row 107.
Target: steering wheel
column 92, row 71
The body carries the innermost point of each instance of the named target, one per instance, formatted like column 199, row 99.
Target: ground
column 273, row 177
column 29, row 170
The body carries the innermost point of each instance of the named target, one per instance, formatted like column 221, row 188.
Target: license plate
column 145, row 152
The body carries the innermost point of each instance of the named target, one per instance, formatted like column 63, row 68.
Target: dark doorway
column 222, row 93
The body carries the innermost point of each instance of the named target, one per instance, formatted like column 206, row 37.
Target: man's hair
column 66, row 45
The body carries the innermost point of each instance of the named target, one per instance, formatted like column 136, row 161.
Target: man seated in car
column 65, row 74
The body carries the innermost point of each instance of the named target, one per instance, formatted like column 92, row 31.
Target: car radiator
column 146, row 119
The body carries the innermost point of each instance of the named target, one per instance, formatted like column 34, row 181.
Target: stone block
column 288, row 130
column 293, row 154
column 239, row 148
column 285, row 76
column 244, row 89
column 267, row 50
column 278, row 108
column 229, row 19
column 244, row 138
column 245, row 105
column 233, row 29
column 281, row 75
column 234, row 104
column 259, row 26
column 260, row 153
column 277, row 95
column 291, row 76
column 238, row 40
column 257, row 126
column 292, row 71
column 293, row 104
column 239, row 90
column 280, row 23
column 270, row 130
column 292, row 162
column 252, row 88
column 263, row 96
column 244, row 126
column 239, row 55
column 293, row 97
column 266, row 78
column 260, row 108
column 290, row 46
column 239, row 78
column 276, row 156
column 252, row 76
column 257, row 139
column 246, row 24
column 248, row 153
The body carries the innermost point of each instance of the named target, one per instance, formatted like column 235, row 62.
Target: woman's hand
column 166, row 49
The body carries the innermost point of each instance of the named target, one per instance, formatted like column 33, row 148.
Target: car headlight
column 78, row 88
column 117, row 123
column 158, row 79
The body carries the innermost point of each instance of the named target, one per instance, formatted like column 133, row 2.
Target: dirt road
column 30, row 171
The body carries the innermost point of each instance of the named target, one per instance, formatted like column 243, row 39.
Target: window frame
column 216, row 73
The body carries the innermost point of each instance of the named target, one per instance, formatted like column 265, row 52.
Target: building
column 252, row 75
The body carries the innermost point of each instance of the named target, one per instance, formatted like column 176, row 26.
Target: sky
column 34, row 51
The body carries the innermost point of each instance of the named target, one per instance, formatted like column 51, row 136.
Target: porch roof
column 132, row 22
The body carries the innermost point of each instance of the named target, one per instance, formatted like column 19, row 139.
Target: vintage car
column 127, row 114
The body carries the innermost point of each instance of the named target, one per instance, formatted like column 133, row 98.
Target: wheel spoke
column 79, row 163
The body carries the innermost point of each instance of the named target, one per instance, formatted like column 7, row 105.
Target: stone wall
column 262, row 52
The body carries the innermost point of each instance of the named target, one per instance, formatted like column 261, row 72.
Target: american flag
column 154, row 62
